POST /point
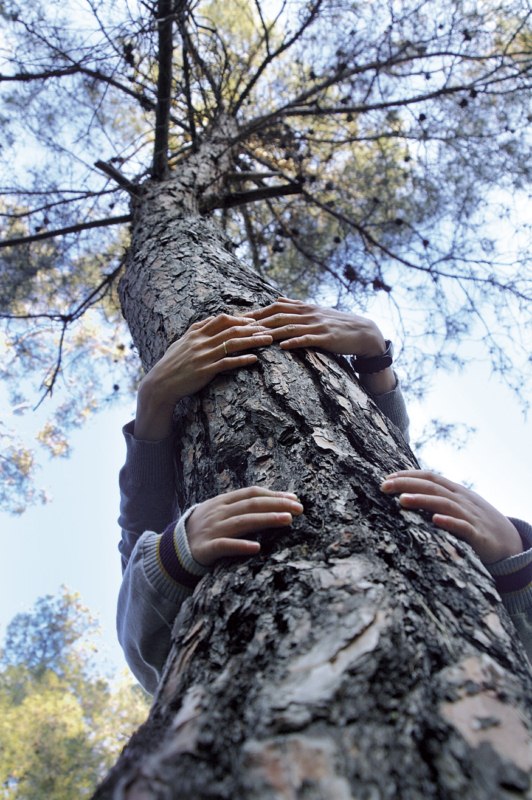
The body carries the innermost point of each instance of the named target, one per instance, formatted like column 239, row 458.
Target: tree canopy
column 372, row 150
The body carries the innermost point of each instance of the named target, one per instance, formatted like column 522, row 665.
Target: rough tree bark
column 363, row 654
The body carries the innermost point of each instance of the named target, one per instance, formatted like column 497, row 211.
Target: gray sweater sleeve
column 151, row 595
column 392, row 405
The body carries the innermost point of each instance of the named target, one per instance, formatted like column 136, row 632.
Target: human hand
column 215, row 526
column 296, row 324
column 207, row 348
column 457, row 510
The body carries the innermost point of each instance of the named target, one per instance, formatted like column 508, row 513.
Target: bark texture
column 363, row 654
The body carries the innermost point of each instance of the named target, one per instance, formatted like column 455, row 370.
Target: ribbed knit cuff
column 169, row 564
column 513, row 576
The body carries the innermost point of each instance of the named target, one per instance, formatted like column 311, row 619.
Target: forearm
column 160, row 576
column 147, row 489
column 153, row 420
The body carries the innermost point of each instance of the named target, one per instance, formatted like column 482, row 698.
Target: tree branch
column 117, row 176
column 251, row 176
column 26, row 77
column 192, row 49
column 164, row 89
column 240, row 198
column 82, row 226
column 305, row 104
column 271, row 56
column 188, row 96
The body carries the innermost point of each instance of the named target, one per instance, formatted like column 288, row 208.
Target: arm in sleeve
column 160, row 575
column 147, row 490
column 513, row 580
column 392, row 405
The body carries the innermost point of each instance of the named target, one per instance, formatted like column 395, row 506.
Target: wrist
column 370, row 365
column 379, row 382
column 154, row 416
column 374, row 344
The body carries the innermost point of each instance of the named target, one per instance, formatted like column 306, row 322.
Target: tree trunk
column 363, row 654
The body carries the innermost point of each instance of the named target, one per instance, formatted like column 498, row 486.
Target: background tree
column 62, row 725
column 386, row 147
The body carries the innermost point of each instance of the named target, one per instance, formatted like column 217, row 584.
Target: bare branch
column 240, row 198
column 188, row 96
column 252, row 241
column 47, row 206
column 117, row 176
column 314, row 9
column 48, row 385
column 82, row 226
column 251, row 176
column 164, row 89
column 306, row 103
column 309, row 256
column 194, row 52
column 26, row 77
column 93, row 297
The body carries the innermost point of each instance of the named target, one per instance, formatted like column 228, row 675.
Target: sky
column 73, row 539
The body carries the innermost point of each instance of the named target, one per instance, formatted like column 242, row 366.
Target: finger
column 285, row 326
column 259, row 505
column 235, row 345
column 231, row 548
column 436, row 504
column 414, row 486
column 224, row 321
column 228, row 363
column 197, row 325
column 308, row 340
column 254, row 491
column 239, row 332
column 278, row 308
column 282, row 299
column 251, row 523
column 459, row 527
column 390, row 482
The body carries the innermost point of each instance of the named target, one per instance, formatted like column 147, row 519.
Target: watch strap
column 367, row 365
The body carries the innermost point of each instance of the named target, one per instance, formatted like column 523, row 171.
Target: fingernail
column 386, row 484
column 407, row 497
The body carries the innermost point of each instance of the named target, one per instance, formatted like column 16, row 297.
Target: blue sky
column 73, row 540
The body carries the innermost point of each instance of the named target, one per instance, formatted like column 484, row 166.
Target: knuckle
column 430, row 475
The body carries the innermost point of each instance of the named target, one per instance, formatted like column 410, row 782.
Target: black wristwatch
column 368, row 365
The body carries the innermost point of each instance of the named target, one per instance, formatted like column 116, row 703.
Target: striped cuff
column 174, row 556
column 168, row 563
column 513, row 576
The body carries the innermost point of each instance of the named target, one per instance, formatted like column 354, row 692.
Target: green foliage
column 45, row 638
column 61, row 726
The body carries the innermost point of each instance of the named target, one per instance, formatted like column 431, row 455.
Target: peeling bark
column 363, row 654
